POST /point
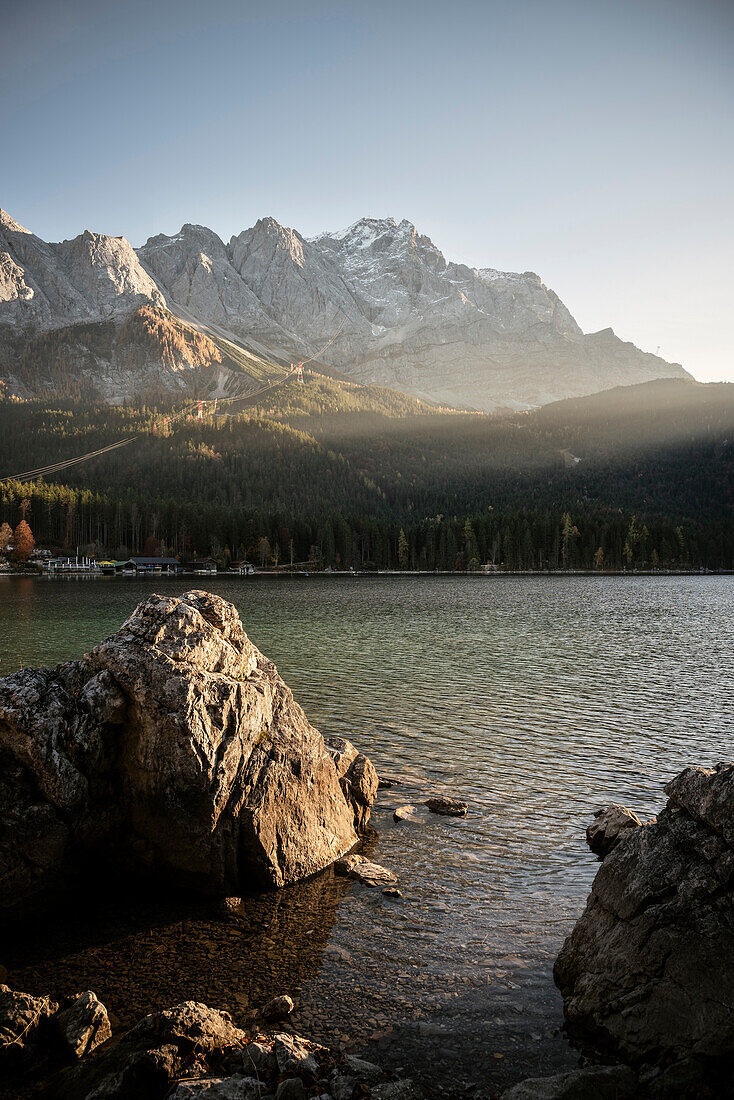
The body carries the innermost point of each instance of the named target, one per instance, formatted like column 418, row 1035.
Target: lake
column 535, row 699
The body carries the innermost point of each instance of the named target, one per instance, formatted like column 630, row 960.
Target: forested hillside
column 332, row 473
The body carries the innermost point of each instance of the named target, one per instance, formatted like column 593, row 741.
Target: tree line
column 332, row 474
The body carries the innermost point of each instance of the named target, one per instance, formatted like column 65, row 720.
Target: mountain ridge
column 393, row 310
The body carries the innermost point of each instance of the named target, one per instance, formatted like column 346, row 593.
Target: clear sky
column 591, row 141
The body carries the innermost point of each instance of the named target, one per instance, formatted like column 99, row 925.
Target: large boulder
column 647, row 975
column 173, row 748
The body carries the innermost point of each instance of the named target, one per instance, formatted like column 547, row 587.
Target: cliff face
column 172, row 749
column 392, row 309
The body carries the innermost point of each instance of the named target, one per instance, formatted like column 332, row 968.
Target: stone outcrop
column 647, row 975
column 610, row 824
column 173, row 748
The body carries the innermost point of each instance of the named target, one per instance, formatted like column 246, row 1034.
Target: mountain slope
column 377, row 303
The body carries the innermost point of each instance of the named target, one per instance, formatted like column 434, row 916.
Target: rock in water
column 220, row 1088
column 648, row 972
column 610, row 824
column 449, row 807
column 404, row 813
column 599, row 1082
column 173, row 748
column 365, row 871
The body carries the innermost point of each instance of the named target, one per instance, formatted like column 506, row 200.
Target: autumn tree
column 6, row 536
column 569, row 534
column 402, row 550
column 23, row 541
column 264, row 551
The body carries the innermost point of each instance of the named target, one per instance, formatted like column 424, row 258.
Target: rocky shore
column 184, row 1052
column 174, row 751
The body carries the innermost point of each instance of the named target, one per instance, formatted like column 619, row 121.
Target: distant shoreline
column 310, row 574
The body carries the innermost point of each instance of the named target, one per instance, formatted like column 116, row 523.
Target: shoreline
column 308, row 575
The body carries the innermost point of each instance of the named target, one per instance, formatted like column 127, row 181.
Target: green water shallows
column 535, row 699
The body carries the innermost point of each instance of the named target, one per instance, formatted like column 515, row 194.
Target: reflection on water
column 139, row 951
column 535, row 699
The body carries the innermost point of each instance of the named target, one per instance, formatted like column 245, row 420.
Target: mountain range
column 377, row 304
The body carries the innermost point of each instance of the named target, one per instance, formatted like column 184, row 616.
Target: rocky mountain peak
column 12, row 226
column 267, row 237
column 108, row 274
column 379, row 296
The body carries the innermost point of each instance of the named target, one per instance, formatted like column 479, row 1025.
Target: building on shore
column 242, row 567
column 200, row 566
column 67, row 564
column 157, row 567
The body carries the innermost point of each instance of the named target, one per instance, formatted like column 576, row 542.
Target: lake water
column 535, row 699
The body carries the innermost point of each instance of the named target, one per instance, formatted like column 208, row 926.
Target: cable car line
column 57, row 467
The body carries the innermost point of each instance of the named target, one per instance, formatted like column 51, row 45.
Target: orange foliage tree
column 23, row 541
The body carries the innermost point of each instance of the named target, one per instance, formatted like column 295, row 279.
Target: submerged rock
column 406, row 1089
column 647, row 975
column 363, row 1070
column 405, row 813
column 600, row 1082
column 219, row 1088
column 173, row 748
column 610, row 824
column 365, row 871
column 449, row 807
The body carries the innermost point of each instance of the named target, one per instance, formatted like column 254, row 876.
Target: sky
column 590, row 141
